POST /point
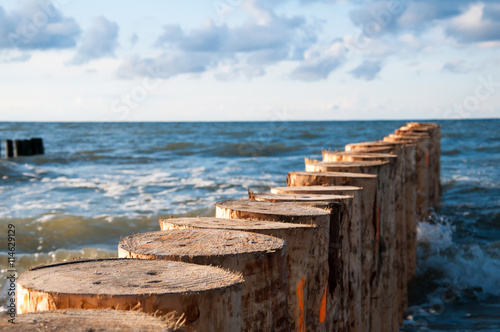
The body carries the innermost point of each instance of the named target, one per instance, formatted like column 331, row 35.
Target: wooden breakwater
column 23, row 147
column 332, row 251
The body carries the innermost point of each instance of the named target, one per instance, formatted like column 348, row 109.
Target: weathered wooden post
column 400, row 254
column 386, row 280
column 37, row 144
column 422, row 170
column 434, row 131
column 316, row 282
column 9, row 149
column 208, row 297
column 260, row 258
column 19, row 148
column 362, row 305
column 410, row 192
column 344, row 259
column 28, row 147
column 90, row 320
column 298, row 239
column 369, row 226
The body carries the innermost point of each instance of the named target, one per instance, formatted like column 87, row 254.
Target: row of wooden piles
column 23, row 147
column 332, row 251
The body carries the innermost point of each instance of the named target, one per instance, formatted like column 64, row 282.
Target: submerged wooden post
column 19, row 148
column 298, row 239
column 37, row 145
column 344, row 260
column 400, row 249
column 208, row 297
column 9, row 149
column 28, row 147
column 260, row 258
column 369, row 224
column 89, row 320
column 316, row 282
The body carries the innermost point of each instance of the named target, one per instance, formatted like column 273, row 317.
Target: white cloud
column 480, row 23
column 37, row 25
column 368, row 70
column 98, row 42
column 263, row 40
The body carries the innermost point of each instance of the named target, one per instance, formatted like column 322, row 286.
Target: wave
column 474, row 268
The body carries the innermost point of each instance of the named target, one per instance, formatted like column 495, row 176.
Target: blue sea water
column 98, row 182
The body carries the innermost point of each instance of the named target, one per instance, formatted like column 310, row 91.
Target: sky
column 249, row 60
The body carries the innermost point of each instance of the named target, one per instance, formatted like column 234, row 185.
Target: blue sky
column 228, row 60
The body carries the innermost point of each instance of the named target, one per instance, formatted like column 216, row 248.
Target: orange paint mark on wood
column 300, row 295
column 322, row 310
column 427, row 159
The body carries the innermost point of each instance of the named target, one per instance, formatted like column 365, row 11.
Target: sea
column 99, row 182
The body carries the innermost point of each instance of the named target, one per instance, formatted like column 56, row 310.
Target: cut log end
column 196, row 243
column 124, row 277
column 300, row 198
column 233, row 224
column 281, row 209
column 315, row 190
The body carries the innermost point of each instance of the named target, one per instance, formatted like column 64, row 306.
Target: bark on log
column 317, row 275
column 298, row 239
column 208, row 297
column 369, row 219
column 388, row 273
column 260, row 258
column 79, row 320
column 344, row 259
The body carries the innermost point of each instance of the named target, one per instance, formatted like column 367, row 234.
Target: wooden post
column 298, row 239
column 37, row 144
column 18, row 148
column 431, row 163
column 316, row 282
column 434, row 131
column 422, row 170
column 9, row 149
column 410, row 192
column 387, row 277
column 400, row 249
column 361, row 306
column 90, row 320
column 28, row 147
column 369, row 221
column 260, row 258
column 344, row 260
column 208, row 297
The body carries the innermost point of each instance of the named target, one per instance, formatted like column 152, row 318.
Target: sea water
column 98, row 182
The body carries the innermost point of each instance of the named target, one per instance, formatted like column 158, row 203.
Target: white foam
column 463, row 265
